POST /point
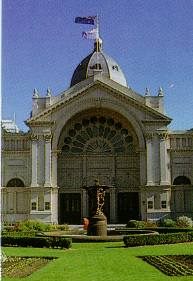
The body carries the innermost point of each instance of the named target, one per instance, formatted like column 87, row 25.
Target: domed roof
column 98, row 62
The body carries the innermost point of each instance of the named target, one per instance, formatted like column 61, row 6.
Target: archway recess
column 98, row 144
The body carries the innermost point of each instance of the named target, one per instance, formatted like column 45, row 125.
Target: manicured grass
column 101, row 262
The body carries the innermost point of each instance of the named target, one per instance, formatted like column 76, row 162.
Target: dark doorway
column 70, row 208
column 106, row 207
column 128, row 206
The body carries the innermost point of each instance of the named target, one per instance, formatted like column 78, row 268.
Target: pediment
column 98, row 91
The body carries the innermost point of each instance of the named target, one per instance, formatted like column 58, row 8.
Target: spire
column 49, row 93
column 147, row 92
column 35, row 93
column 160, row 92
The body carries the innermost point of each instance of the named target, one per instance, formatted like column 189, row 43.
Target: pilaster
column 54, row 167
column 34, row 143
column 113, row 207
column 163, row 158
column 149, row 141
column 84, row 204
column 47, row 143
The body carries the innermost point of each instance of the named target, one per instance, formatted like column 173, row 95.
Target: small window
column 163, row 204
column 183, row 142
column 150, row 204
column 181, row 180
column 47, row 206
column 189, row 142
column 178, row 142
column 115, row 67
column 15, row 182
column 96, row 66
column 34, row 206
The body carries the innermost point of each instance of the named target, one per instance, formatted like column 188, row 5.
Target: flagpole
column 97, row 27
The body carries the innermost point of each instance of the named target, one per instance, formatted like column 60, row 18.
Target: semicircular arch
column 135, row 123
column 99, row 132
column 15, row 182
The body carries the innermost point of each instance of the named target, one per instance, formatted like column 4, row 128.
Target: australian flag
column 85, row 20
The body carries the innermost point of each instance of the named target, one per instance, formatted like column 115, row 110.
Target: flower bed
column 177, row 265
column 23, row 266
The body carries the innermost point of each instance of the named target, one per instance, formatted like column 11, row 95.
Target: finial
column 98, row 45
column 49, row 93
column 160, row 92
column 35, row 93
column 147, row 92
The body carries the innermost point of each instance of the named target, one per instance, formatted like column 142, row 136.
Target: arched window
column 181, row 180
column 15, row 183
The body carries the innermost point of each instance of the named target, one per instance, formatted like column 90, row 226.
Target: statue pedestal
column 97, row 225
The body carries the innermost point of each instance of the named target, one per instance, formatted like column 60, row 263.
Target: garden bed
column 172, row 265
column 23, row 266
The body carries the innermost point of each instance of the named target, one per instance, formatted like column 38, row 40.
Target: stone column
column 47, row 140
column 113, row 208
column 34, row 173
column 163, row 159
column 149, row 138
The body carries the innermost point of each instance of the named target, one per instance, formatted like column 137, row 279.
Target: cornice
column 40, row 123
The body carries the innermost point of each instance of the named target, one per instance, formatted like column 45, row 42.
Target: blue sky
column 152, row 41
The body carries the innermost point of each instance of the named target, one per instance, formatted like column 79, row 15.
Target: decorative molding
column 163, row 135
column 149, row 135
column 138, row 101
column 34, row 137
column 57, row 152
column 47, row 137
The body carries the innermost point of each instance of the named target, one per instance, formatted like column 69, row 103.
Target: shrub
column 37, row 242
column 167, row 223
column 63, row 227
column 32, row 225
column 150, row 224
column 135, row 224
column 170, row 238
column 184, row 221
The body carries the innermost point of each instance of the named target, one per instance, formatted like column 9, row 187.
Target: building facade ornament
column 47, row 137
column 34, row 137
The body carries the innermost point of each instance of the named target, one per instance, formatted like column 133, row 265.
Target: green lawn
column 101, row 262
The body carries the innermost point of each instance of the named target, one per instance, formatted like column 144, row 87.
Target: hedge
column 93, row 239
column 37, row 242
column 169, row 238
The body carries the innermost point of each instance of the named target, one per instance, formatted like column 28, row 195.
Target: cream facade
column 99, row 128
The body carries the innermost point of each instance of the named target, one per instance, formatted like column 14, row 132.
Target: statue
column 97, row 221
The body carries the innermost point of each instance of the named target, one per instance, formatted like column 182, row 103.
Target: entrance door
column 70, row 208
column 128, row 206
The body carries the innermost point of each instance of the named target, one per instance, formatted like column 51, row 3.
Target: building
column 99, row 128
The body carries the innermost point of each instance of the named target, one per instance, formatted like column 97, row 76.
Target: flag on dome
column 92, row 34
column 85, row 20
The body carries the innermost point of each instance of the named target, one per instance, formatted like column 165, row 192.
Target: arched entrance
column 100, row 145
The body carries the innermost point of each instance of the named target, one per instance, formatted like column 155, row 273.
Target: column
column 113, row 208
column 163, row 159
column 47, row 140
column 34, row 139
column 149, row 138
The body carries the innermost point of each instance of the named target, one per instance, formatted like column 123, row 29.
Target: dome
column 98, row 62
